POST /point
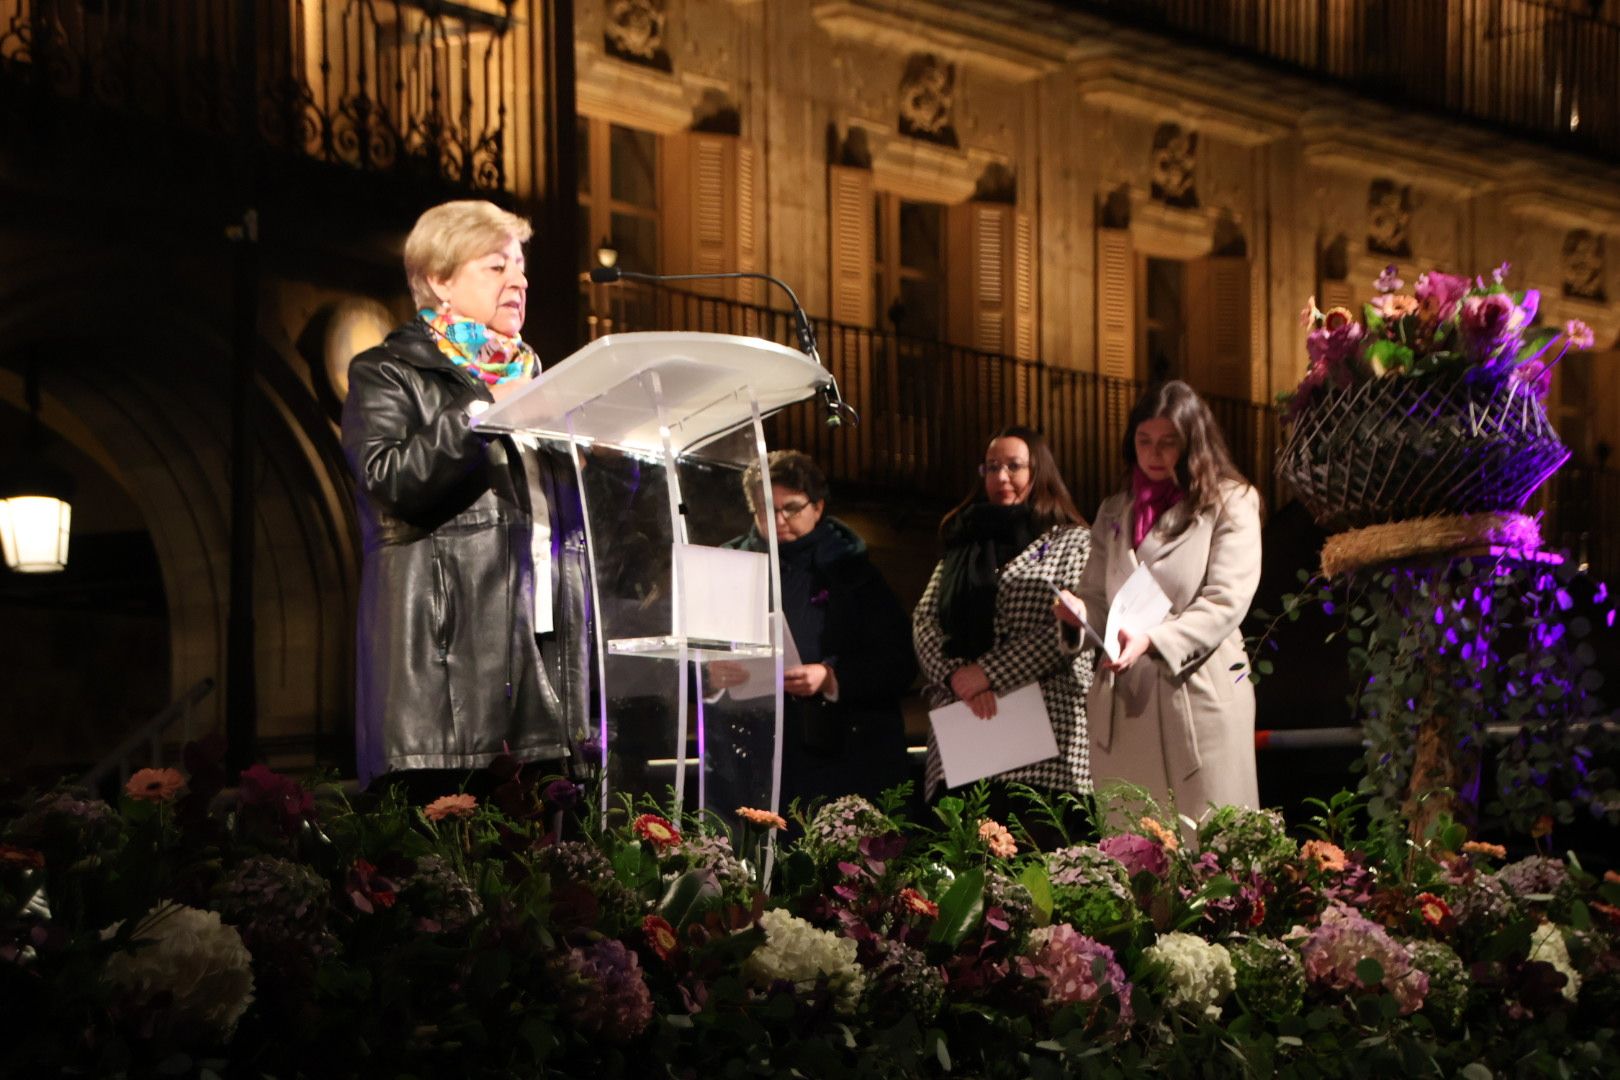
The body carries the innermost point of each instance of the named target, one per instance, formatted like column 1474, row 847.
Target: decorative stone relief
column 927, row 99
column 1174, row 160
column 634, row 31
column 1389, row 218
column 1583, row 265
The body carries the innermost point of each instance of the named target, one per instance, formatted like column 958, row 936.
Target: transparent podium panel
column 686, row 608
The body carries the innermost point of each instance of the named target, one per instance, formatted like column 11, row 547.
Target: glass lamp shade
column 35, row 515
column 34, row 533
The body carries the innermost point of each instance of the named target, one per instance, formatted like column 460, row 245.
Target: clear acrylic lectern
column 661, row 427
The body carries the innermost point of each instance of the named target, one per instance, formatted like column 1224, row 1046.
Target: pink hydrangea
column 1070, row 963
column 1138, row 853
column 1343, row 939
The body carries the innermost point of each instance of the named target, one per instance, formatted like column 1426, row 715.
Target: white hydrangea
column 798, row 953
column 192, row 955
column 1547, row 944
column 1200, row 973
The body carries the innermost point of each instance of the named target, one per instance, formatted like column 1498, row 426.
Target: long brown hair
column 1204, row 462
column 1049, row 500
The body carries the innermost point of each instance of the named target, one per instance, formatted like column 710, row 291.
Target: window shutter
column 849, row 217
column 750, row 230
column 1116, row 304
column 1218, row 355
column 1025, row 342
column 977, row 268
column 1337, row 293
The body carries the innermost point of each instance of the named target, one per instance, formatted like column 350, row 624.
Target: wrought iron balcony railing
column 927, row 409
column 422, row 87
column 1546, row 69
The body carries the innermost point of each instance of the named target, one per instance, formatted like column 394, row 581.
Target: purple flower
column 562, row 794
column 1333, row 348
column 603, row 990
column 1501, row 272
column 1439, row 294
column 1138, row 853
column 1343, row 939
column 590, row 754
column 1390, row 280
column 278, row 800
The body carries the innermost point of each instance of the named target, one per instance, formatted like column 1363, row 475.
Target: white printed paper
column 759, row 677
column 1139, row 606
column 1019, row 734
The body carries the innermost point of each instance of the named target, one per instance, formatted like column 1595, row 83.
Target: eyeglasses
column 1011, row 468
column 791, row 510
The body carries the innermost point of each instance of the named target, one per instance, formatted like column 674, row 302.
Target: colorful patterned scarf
column 1149, row 499
column 486, row 353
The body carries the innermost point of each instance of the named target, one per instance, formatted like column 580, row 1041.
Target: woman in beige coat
column 1175, row 713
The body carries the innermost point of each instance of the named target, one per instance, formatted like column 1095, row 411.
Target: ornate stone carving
column 1174, row 161
column 1389, row 218
column 927, row 99
column 1583, row 265
column 634, row 31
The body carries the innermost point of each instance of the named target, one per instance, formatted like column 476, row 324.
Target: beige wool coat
column 1179, row 723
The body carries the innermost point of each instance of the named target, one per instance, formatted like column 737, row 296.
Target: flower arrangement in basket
column 1429, row 404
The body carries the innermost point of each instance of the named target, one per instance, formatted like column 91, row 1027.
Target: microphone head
column 605, row 275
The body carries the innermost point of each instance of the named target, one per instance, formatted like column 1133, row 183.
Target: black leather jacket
column 448, row 668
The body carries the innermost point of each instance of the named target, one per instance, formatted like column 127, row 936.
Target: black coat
column 448, row 667
column 842, row 614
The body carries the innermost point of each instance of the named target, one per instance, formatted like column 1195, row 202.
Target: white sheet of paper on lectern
column 606, row 392
column 971, row 749
column 725, row 594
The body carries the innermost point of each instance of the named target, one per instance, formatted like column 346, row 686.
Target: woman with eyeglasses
column 1174, row 714
column 843, row 733
column 984, row 627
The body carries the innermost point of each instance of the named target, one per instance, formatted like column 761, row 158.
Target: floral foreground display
column 299, row 932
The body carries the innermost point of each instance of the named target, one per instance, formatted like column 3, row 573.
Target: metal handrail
column 151, row 732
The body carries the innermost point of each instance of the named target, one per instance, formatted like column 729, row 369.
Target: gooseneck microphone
column 837, row 407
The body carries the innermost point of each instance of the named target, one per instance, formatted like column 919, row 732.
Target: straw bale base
column 1435, row 535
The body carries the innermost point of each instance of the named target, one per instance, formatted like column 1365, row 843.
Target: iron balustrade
column 424, row 87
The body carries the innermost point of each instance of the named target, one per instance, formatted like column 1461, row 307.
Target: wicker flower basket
column 1397, row 448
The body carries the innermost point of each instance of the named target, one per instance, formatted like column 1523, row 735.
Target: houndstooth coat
column 1027, row 649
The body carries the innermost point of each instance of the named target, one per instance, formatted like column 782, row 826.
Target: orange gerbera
column 1612, row 877
column 761, row 817
column 1164, row 836
column 461, row 806
column 660, row 935
column 1327, row 856
column 918, row 904
column 1479, row 847
column 155, row 785
column 656, row 829
column 1001, row 842
column 1433, row 910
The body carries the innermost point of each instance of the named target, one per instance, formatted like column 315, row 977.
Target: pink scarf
column 1149, row 499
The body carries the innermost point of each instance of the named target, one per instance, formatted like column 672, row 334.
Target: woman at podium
column 842, row 728
column 471, row 617
column 983, row 627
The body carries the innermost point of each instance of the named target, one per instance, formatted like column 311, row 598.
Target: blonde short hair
column 453, row 233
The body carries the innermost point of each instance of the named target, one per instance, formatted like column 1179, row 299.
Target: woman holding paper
column 1170, row 710
column 982, row 628
column 843, row 732
column 471, row 617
